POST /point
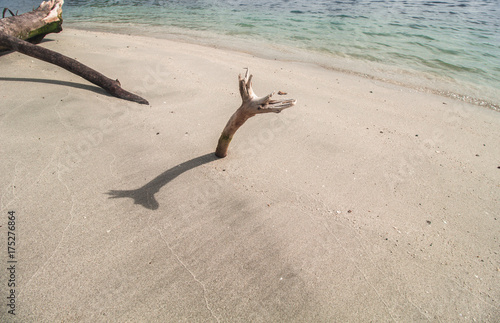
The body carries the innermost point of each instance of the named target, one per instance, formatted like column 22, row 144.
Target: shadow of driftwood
column 145, row 195
column 87, row 87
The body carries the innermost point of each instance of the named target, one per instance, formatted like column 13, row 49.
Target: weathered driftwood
column 111, row 86
column 33, row 26
column 250, row 106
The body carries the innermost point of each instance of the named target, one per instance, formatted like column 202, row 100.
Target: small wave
column 342, row 16
column 297, row 37
column 369, row 33
column 449, row 51
column 408, row 57
column 244, row 25
column 434, row 3
column 366, row 57
column 455, row 67
column 417, row 26
column 383, row 44
column 421, row 36
column 489, row 55
column 238, row 33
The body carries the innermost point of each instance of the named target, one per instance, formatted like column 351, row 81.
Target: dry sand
column 365, row 202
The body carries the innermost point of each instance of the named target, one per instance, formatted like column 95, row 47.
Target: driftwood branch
column 111, row 86
column 17, row 32
column 250, row 106
column 7, row 9
column 34, row 25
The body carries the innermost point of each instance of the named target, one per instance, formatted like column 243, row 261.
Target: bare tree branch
column 250, row 106
column 33, row 26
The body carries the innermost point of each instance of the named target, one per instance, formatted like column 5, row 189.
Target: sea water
column 450, row 47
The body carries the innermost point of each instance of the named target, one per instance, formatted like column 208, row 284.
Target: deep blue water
column 448, row 46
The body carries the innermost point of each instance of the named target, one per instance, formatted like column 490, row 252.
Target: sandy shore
column 365, row 202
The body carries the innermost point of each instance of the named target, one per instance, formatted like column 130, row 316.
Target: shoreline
column 367, row 201
column 406, row 77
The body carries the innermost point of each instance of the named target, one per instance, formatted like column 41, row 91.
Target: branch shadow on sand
column 145, row 195
column 88, row 87
column 83, row 86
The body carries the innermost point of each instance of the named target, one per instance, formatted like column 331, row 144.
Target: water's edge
column 284, row 53
column 449, row 47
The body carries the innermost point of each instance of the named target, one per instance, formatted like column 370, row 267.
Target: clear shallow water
column 451, row 47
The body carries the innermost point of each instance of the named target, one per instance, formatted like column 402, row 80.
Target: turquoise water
column 450, row 47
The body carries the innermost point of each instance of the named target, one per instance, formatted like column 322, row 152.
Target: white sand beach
column 365, row 202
